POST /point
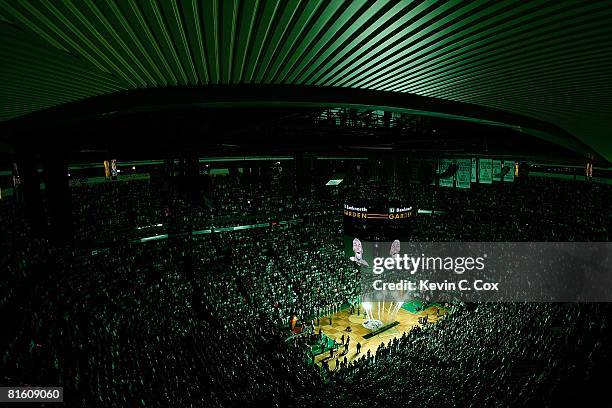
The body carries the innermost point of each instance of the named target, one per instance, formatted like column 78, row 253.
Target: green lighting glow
column 547, row 60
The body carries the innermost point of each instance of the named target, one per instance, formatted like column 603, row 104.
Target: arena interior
column 189, row 190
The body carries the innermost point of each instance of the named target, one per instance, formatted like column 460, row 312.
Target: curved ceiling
column 550, row 60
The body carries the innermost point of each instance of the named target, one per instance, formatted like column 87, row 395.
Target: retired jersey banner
column 509, row 176
column 114, row 171
column 464, row 173
column 443, row 165
column 484, row 173
column 496, row 167
column 474, row 168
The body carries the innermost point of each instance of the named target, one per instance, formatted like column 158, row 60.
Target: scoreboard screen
column 379, row 223
column 386, row 214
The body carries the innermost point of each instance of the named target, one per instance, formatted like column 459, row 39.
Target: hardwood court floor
column 343, row 319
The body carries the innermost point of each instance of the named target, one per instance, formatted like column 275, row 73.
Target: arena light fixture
column 334, row 182
column 154, row 238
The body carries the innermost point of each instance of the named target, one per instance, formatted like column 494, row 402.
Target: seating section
column 201, row 320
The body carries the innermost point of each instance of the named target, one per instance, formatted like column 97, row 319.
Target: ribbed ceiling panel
column 551, row 60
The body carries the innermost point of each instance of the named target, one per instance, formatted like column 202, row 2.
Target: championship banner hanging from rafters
column 443, row 165
column 464, row 171
column 474, row 168
column 496, row 168
column 484, row 174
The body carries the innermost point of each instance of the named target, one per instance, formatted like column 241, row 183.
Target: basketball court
column 343, row 319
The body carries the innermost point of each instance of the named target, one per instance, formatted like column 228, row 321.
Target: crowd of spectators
column 495, row 354
column 115, row 210
column 202, row 320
